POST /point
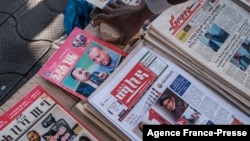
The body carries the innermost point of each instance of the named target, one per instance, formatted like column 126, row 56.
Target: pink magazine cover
column 38, row 115
column 82, row 63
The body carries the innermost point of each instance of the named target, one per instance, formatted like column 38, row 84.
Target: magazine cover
column 147, row 89
column 38, row 116
column 82, row 63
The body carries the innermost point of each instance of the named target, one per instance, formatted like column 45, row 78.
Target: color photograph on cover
column 79, row 41
column 214, row 37
column 92, row 69
column 241, row 58
column 56, row 125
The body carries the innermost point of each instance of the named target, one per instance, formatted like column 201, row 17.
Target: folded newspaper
column 213, row 37
column 148, row 88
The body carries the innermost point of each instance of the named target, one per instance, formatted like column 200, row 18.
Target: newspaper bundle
column 140, row 89
column 213, row 36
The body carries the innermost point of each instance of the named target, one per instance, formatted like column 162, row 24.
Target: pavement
column 28, row 29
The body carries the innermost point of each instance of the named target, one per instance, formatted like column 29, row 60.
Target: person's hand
column 126, row 19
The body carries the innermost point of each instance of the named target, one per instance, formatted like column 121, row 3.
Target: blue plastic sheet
column 77, row 14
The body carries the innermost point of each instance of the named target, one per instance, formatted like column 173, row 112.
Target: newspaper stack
column 139, row 92
column 212, row 39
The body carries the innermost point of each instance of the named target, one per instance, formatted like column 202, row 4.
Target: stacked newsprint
column 212, row 36
column 176, row 75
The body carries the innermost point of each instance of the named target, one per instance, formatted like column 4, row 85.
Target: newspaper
column 199, row 70
column 226, row 55
column 37, row 116
column 190, row 65
column 140, row 90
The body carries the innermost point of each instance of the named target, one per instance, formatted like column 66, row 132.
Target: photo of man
column 241, row 58
column 83, row 75
column 92, row 69
column 214, row 37
column 33, row 135
column 108, row 60
column 79, row 41
column 88, row 81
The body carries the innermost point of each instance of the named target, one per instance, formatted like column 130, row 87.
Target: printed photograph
column 241, row 58
column 189, row 117
column 56, row 125
column 172, row 105
column 92, row 69
column 185, row 33
column 214, row 37
column 79, row 41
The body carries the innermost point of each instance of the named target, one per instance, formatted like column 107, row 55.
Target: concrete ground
column 27, row 31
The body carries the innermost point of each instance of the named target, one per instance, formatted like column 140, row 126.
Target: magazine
column 82, row 63
column 144, row 85
column 191, row 30
column 38, row 115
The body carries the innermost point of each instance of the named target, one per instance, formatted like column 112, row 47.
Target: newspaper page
column 149, row 89
column 198, row 70
column 213, row 32
column 190, row 66
column 38, row 116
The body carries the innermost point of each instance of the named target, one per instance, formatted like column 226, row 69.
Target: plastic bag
column 77, row 14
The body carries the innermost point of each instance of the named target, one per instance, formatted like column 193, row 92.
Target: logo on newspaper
column 177, row 21
column 133, row 85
